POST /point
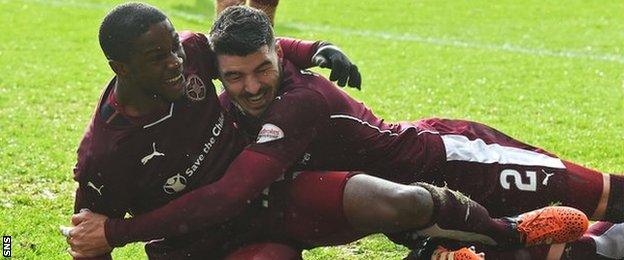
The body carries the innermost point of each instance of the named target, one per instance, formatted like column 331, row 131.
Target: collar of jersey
column 167, row 116
column 111, row 100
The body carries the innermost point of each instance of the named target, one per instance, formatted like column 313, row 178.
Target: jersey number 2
column 517, row 180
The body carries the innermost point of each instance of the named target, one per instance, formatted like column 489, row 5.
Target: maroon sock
column 615, row 205
column 582, row 187
column 454, row 212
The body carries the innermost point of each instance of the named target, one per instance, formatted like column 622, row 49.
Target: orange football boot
column 551, row 225
column 463, row 253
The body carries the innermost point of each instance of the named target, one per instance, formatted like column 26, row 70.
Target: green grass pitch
column 547, row 72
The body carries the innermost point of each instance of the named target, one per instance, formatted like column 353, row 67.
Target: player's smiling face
column 157, row 62
column 252, row 80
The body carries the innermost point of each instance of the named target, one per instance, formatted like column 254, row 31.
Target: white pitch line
column 80, row 5
column 104, row 6
column 406, row 37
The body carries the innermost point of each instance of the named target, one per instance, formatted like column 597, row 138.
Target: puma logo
column 99, row 190
column 545, row 181
column 152, row 155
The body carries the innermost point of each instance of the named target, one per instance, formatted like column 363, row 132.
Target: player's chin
column 173, row 91
column 254, row 108
column 255, row 111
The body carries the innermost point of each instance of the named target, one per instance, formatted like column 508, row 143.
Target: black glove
column 342, row 70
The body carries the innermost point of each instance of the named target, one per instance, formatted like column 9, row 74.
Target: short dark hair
column 241, row 30
column 123, row 24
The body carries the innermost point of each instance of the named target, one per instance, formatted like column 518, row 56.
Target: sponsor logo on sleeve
column 268, row 133
column 307, row 72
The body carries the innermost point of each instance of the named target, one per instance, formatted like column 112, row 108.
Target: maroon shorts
column 308, row 208
column 503, row 174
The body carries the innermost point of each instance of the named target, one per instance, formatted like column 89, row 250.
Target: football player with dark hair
column 122, row 26
column 301, row 121
column 159, row 131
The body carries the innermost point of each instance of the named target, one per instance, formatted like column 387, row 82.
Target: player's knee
column 423, row 206
column 410, row 206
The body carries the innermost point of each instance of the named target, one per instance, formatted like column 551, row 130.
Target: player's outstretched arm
column 307, row 54
column 342, row 70
column 248, row 175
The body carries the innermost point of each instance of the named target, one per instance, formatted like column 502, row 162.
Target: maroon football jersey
column 312, row 124
column 127, row 165
column 163, row 158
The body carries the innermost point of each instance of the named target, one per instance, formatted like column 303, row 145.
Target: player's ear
column 280, row 52
column 119, row 68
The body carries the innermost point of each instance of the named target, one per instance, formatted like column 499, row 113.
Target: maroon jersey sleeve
column 196, row 45
column 247, row 176
column 299, row 52
column 91, row 194
column 101, row 173
column 290, row 124
column 96, row 194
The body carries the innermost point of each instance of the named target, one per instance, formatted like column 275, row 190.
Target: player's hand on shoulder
column 342, row 70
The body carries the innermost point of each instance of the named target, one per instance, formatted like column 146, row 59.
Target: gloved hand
column 342, row 70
